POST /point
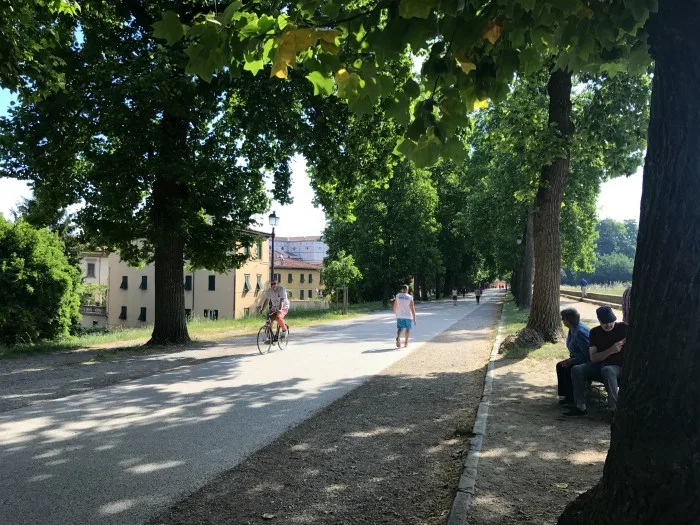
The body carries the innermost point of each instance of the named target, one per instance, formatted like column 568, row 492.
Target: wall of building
column 295, row 287
column 225, row 301
column 307, row 250
column 98, row 262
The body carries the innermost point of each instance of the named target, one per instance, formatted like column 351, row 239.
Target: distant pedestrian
column 454, row 296
column 626, row 298
column 478, row 293
column 405, row 315
column 584, row 288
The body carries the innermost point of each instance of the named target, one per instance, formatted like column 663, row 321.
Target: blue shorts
column 404, row 323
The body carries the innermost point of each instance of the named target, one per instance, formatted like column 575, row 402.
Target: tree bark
column 169, row 193
column 544, row 313
column 528, row 266
column 652, row 472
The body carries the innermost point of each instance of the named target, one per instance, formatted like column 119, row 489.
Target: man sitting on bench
column 607, row 342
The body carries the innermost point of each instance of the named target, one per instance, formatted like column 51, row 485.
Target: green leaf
column 253, row 64
column 399, row 110
column 416, row 8
column 169, row 28
column 322, row 85
column 230, row 10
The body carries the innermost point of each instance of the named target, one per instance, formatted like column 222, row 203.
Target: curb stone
column 459, row 513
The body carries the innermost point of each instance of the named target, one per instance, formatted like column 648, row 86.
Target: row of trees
column 472, row 51
column 616, row 245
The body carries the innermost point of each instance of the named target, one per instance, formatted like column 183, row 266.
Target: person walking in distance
column 405, row 315
column 478, row 293
column 454, row 296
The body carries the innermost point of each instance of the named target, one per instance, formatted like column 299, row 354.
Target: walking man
column 478, row 293
column 405, row 315
column 584, row 288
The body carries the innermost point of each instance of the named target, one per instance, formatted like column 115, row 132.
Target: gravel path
column 386, row 453
column 534, row 461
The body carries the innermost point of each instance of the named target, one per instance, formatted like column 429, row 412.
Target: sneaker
column 283, row 334
column 405, row 345
column 576, row 412
column 398, row 343
column 267, row 341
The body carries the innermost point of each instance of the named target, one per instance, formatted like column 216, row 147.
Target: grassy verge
column 608, row 289
column 514, row 319
column 199, row 330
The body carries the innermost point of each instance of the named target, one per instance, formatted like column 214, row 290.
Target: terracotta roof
column 296, row 264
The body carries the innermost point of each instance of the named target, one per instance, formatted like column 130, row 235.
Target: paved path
column 122, row 453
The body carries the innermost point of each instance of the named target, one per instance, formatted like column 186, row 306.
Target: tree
column 340, row 273
column 652, row 477
column 169, row 167
column 31, row 38
column 40, row 287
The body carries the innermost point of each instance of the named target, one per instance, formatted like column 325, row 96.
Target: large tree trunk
column 652, row 473
column 169, row 193
column 528, row 266
column 544, row 313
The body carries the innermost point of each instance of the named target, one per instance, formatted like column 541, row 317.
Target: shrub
column 40, row 287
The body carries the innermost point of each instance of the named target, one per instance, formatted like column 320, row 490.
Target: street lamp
column 274, row 221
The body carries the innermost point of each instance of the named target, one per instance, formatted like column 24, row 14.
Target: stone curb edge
column 467, row 481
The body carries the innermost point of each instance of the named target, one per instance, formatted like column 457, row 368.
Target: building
column 94, row 267
column 309, row 249
column 301, row 279
column 208, row 294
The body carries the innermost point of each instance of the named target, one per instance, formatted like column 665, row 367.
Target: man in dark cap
column 606, row 348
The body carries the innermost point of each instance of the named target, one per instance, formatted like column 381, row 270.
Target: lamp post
column 274, row 221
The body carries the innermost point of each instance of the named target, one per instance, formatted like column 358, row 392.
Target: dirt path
column 534, row 461
column 387, row 453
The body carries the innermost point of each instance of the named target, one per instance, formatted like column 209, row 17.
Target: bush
column 40, row 287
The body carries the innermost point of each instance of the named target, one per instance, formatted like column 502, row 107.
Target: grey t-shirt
column 274, row 297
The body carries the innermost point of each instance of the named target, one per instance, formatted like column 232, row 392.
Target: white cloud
column 620, row 198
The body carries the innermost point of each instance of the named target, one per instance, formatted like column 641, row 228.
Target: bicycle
column 267, row 337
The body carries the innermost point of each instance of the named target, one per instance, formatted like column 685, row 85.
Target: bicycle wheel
column 282, row 342
column 264, row 339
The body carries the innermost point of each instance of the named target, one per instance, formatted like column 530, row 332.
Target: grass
column 609, row 289
column 199, row 329
column 515, row 319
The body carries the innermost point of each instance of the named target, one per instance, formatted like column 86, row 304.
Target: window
column 188, row 313
column 311, row 278
column 278, row 276
column 310, row 294
column 212, row 283
column 144, row 283
column 246, row 250
column 91, row 270
column 301, row 277
column 289, row 278
column 125, row 283
column 259, row 246
column 246, row 284
column 142, row 315
column 258, row 283
column 301, row 294
column 122, row 314
column 246, row 312
column 289, row 295
column 188, row 282
column 94, row 323
column 206, row 313
column 213, row 315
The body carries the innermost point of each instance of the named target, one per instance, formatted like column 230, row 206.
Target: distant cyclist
column 276, row 295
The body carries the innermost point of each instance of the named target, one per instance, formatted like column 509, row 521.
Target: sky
column 619, row 198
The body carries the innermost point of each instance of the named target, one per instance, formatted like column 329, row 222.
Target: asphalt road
column 121, row 454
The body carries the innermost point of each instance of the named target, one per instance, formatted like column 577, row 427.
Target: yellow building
column 208, row 294
column 301, row 279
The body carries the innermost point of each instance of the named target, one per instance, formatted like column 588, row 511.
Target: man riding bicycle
column 276, row 295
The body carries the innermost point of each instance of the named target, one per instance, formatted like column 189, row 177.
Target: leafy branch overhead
column 466, row 53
